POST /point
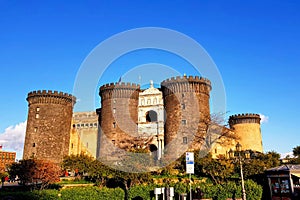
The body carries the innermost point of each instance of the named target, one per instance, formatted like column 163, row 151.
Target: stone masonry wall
column 48, row 125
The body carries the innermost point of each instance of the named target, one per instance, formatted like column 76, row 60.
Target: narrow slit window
column 183, row 106
column 184, row 140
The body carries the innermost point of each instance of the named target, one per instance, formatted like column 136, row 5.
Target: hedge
column 76, row 193
column 215, row 192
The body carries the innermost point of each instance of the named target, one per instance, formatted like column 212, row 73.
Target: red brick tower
column 48, row 125
column 186, row 101
column 118, row 116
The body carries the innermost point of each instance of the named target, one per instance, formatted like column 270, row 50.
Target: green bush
column 34, row 195
column 92, row 193
column 216, row 192
column 143, row 191
column 230, row 189
column 253, row 190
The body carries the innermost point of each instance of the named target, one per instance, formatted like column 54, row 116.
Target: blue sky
column 255, row 45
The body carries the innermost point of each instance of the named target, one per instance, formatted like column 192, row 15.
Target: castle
column 173, row 118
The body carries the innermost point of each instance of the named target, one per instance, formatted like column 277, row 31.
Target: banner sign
column 189, row 158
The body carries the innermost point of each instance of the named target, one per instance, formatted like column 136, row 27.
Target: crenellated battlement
column 49, row 96
column 179, row 79
column 120, row 86
column 244, row 118
column 180, row 84
column 119, row 90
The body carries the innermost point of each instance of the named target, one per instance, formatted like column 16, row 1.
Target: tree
column 36, row 172
column 296, row 151
column 129, row 180
column 296, row 154
column 216, row 131
column 99, row 173
column 46, row 173
column 217, row 169
column 24, row 169
column 80, row 164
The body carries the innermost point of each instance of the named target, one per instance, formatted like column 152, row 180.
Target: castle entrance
column 154, row 153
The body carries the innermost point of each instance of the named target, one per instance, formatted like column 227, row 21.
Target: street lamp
column 239, row 159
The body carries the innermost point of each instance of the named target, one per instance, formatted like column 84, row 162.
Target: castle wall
column 48, row 125
column 84, row 133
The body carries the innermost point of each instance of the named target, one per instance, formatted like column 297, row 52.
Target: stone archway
column 154, row 151
column 151, row 116
column 152, row 147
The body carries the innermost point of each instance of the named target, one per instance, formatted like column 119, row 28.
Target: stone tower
column 186, row 101
column 118, row 116
column 247, row 129
column 48, row 125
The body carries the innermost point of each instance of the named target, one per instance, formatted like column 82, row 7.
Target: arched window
column 152, row 147
column 151, row 116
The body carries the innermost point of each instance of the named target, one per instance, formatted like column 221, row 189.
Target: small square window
column 35, row 129
column 37, row 109
column 33, row 145
column 183, row 122
column 183, row 106
column 182, row 95
column 114, row 101
column 114, row 110
column 114, row 125
column 78, row 125
column 95, row 125
column 82, row 125
column 37, row 115
column 184, row 140
column 91, row 124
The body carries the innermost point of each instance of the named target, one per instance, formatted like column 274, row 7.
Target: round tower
column 119, row 114
column 48, row 125
column 247, row 129
column 186, row 101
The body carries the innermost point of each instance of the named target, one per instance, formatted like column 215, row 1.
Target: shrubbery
column 216, row 192
column 92, row 193
column 76, row 193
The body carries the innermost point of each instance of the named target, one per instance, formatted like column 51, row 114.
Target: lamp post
column 239, row 159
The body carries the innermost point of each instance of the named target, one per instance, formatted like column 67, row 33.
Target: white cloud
column 12, row 139
column 284, row 155
column 264, row 118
